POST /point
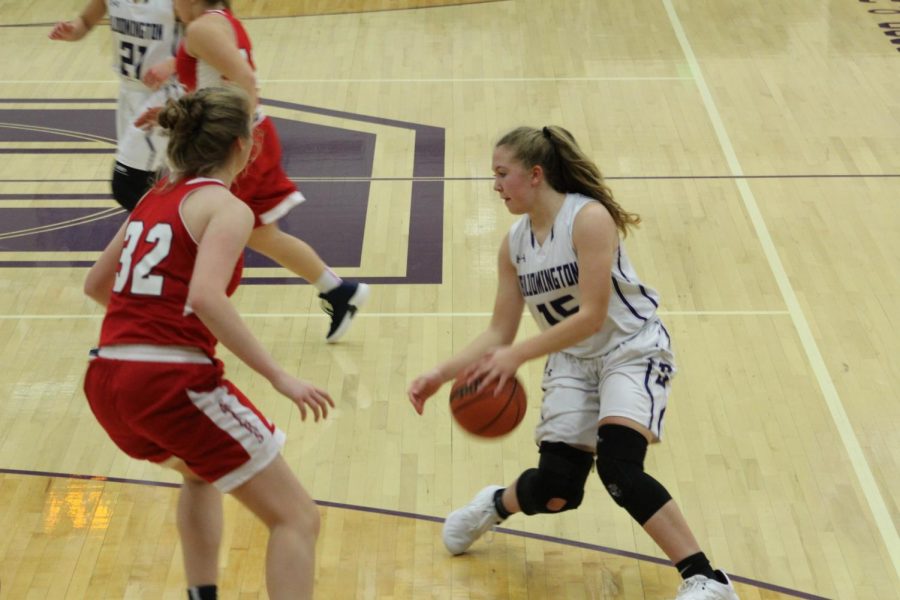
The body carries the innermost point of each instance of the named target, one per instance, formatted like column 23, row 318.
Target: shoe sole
column 357, row 300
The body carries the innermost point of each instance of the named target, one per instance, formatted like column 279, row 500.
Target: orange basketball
column 485, row 414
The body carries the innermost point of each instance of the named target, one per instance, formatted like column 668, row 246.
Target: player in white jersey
column 146, row 35
column 609, row 357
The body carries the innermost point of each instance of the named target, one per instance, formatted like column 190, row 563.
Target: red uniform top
column 195, row 74
column 149, row 295
column 263, row 184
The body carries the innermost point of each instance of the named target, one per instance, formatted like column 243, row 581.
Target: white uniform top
column 548, row 280
column 145, row 35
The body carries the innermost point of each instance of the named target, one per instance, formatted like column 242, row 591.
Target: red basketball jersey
column 148, row 304
column 196, row 74
column 263, row 184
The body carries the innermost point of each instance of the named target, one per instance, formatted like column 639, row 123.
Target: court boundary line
column 869, row 487
column 433, row 519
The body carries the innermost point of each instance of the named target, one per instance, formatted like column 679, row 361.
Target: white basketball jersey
column 548, row 280
column 145, row 35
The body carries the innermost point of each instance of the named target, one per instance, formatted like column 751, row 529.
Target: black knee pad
column 129, row 185
column 562, row 472
column 620, row 465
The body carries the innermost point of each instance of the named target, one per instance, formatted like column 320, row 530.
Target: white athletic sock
column 328, row 281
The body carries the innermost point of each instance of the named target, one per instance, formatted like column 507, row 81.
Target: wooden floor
column 758, row 140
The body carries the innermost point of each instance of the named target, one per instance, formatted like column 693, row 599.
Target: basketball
column 485, row 414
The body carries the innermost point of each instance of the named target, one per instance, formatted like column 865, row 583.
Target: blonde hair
column 567, row 169
column 202, row 128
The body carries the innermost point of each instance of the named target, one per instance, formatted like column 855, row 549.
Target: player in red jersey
column 215, row 49
column 154, row 383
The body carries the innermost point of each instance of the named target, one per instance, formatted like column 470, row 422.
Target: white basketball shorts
column 631, row 381
column 136, row 148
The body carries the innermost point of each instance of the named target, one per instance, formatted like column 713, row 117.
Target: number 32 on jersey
column 142, row 281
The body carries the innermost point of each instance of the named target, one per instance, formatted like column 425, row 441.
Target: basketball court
column 758, row 141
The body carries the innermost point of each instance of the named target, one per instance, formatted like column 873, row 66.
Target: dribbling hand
column 304, row 395
column 423, row 387
column 496, row 368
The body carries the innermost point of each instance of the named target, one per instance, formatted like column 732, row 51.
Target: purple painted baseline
column 408, row 515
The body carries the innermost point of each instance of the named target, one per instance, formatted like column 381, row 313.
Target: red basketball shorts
column 263, row 184
column 156, row 410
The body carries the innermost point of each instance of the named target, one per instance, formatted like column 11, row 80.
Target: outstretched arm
column 507, row 314
column 221, row 244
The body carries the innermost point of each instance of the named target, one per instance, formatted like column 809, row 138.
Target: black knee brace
column 561, row 473
column 129, row 185
column 620, row 464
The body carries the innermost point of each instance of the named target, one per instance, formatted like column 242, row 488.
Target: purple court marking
column 334, row 167
column 409, row 515
column 55, row 125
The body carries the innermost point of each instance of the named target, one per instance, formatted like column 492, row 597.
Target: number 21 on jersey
column 131, row 59
column 142, row 281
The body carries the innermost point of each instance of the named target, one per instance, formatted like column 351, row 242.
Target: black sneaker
column 341, row 304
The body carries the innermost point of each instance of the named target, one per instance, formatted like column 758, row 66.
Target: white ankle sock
column 327, row 281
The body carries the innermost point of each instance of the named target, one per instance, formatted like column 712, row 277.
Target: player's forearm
column 488, row 340
column 565, row 334
column 219, row 315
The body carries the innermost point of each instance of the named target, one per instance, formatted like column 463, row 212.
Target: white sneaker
column 700, row 587
column 462, row 527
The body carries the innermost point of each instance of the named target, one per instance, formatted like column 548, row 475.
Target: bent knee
column 558, row 483
column 556, row 504
column 313, row 523
column 303, row 517
column 306, row 516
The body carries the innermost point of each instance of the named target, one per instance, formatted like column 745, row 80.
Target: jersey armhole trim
column 195, row 180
